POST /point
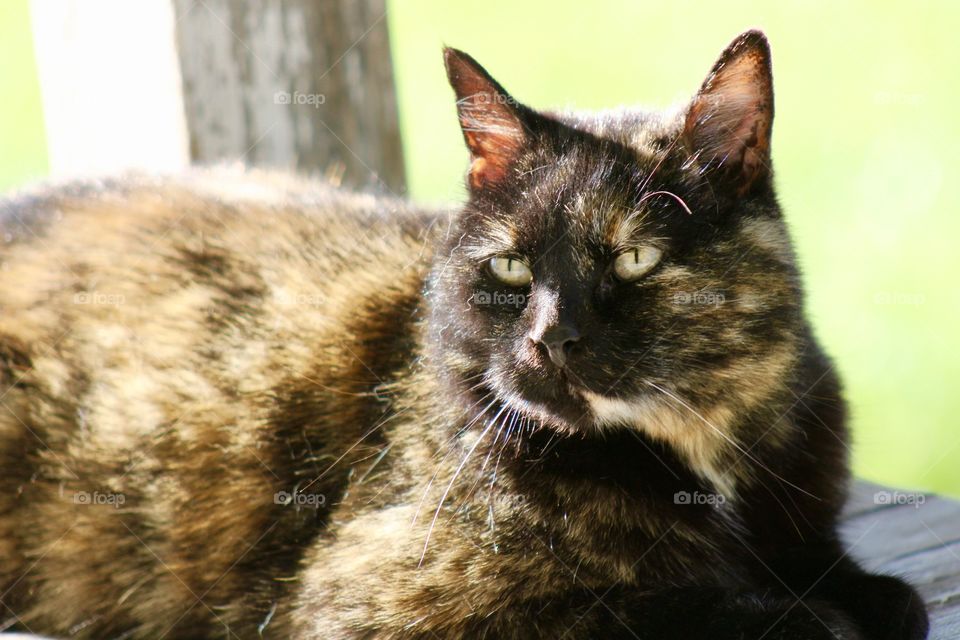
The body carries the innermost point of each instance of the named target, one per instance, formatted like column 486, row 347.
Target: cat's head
column 609, row 266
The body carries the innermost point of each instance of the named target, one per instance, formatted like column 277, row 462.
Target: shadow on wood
column 914, row 536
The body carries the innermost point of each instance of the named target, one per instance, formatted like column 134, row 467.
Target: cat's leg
column 885, row 607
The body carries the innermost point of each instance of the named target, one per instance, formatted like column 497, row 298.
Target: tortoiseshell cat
column 587, row 405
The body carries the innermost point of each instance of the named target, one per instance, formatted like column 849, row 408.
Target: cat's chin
column 566, row 413
column 548, row 398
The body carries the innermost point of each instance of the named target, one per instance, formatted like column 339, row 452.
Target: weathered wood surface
column 293, row 84
column 914, row 536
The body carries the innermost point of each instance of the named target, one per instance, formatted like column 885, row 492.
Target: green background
column 865, row 144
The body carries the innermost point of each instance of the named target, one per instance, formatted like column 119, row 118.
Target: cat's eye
column 510, row 271
column 635, row 263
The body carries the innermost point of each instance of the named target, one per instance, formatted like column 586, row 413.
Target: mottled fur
column 190, row 351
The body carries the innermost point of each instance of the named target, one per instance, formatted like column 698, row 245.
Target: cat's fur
column 175, row 353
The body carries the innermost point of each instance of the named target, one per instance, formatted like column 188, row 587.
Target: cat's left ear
column 729, row 122
column 491, row 120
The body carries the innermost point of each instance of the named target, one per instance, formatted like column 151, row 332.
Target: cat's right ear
column 491, row 120
column 728, row 125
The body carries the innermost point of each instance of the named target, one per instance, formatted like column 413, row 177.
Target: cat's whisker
column 354, row 394
column 671, row 194
column 343, row 455
column 472, row 421
column 496, row 467
column 696, row 363
column 736, row 445
column 446, row 492
column 666, row 154
column 449, row 450
column 496, row 436
column 483, row 466
column 479, row 385
column 785, row 510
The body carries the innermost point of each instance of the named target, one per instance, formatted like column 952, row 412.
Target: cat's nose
column 558, row 340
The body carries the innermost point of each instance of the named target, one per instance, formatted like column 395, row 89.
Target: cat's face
column 606, row 263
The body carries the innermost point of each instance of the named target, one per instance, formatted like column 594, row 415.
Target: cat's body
column 241, row 355
column 249, row 403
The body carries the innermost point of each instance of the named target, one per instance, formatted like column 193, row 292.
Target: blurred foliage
column 23, row 154
column 865, row 143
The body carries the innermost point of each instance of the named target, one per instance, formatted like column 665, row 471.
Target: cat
column 585, row 405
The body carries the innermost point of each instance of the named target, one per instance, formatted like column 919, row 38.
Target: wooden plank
column 890, row 533
column 912, row 535
column 293, row 84
column 862, row 498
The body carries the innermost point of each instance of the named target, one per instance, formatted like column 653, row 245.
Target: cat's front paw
column 888, row 608
column 808, row 620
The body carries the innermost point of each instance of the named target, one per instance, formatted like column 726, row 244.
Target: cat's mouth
column 558, row 403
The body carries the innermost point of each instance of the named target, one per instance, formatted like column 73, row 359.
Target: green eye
column 511, row 271
column 634, row 263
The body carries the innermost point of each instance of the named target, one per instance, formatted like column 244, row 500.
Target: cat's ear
column 728, row 125
column 490, row 119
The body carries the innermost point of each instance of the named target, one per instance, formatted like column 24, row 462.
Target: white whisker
column 729, row 439
column 446, row 491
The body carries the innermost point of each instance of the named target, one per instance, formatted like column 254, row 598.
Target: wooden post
column 305, row 85
column 298, row 84
column 110, row 85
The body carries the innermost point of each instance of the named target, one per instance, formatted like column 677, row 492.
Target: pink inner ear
column 488, row 117
column 492, row 149
column 730, row 119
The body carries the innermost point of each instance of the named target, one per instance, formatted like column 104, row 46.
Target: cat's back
column 135, row 249
column 252, row 212
column 210, row 282
column 181, row 350
column 227, row 275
